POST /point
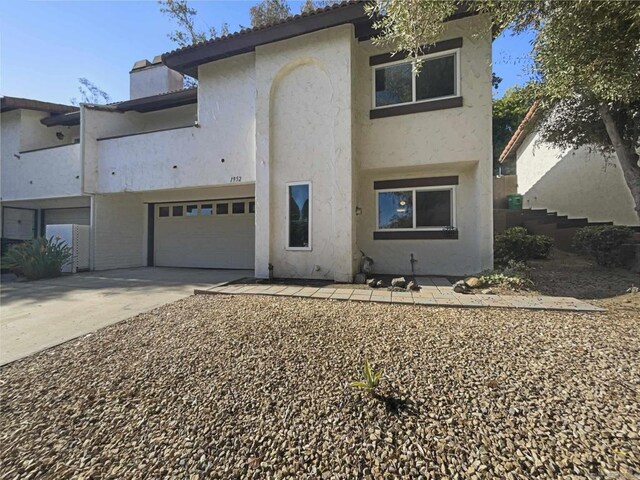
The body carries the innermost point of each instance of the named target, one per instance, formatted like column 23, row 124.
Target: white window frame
column 439, row 188
column 310, row 247
column 431, row 56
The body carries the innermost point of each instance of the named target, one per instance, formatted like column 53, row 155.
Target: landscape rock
column 413, row 285
column 472, row 282
column 399, row 282
column 487, row 291
column 372, row 282
column 461, row 287
column 380, row 284
column 259, row 387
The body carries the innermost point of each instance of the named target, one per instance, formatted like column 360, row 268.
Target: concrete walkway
column 434, row 291
column 38, row 315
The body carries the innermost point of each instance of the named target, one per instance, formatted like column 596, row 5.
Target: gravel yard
column 258, row 387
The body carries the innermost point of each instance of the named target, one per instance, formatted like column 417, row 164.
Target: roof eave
column 186, row 60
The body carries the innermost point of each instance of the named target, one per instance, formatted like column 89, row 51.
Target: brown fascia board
column 14, row 103
column 142, row 105
column 186, row 60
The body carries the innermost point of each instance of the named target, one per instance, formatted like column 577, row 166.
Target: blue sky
column 45, row 46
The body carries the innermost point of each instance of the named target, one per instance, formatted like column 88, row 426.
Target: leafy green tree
column 185, row 17
column 586, row 54
column 269, row 11
column 90, row 93
column 308, row 6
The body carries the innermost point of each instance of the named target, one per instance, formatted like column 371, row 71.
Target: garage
column 205, row 234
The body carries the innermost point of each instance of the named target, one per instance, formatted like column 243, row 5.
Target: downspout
column 83, row 190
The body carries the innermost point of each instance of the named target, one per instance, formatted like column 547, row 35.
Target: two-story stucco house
column 302, row 146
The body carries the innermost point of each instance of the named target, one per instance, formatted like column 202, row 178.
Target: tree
column 586, row 55
column 90, row 93
column 269, row 11
column 185, row 16
column 308, row 6
column 187, row 33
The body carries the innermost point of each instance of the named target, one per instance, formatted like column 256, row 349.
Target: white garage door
column 67, row 216
column 205, row 234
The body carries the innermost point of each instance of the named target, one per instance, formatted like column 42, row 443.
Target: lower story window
column 416, row 209
column 299, row 221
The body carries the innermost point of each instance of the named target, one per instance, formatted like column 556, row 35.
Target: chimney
column 152, row 78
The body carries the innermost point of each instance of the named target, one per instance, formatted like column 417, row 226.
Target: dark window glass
column 222, row 208
column 163, row 212
column 177, row 211
column 252, row 207
column 206, row 209
column 299, row 216
column 437, row 78
column 395, row 209
column 237, row 207
column 192, row 210
column 393, row 85
column 433, row 209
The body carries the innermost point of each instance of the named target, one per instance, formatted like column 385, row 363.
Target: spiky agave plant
column 370, row 381
column 38, row 258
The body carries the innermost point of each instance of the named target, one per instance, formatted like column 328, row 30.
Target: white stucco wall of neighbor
column 448, row 142
column 304, row 128
column 579, row 183
column 44, row 173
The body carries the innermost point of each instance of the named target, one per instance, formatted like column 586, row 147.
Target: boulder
column 487, row 291
column 372, row 282
column 399, row 282
column 380, row 284
column 473, row 282
column 413, row 285
column 461, row 287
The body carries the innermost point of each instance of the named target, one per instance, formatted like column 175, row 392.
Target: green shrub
column 370, row 380
column 38, row 258
column 604, row 242
column 517, row 244
column 515, row 275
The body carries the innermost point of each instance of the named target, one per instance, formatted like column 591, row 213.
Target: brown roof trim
column 15, row 103
column 520, row 134
column 187, row 59
column 66, row 119
column 176, row 98
column 162, row 101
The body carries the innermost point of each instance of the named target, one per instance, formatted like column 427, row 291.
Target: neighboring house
column 302, row 146
column 39, row 195
column 579, row 183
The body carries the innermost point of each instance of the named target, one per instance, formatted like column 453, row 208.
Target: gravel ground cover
column 258, row 387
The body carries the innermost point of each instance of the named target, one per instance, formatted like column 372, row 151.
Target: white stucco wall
column 118, row 231
column 304, row 119
column 46, row 173
column 442, row 136
column 455, row 141
column 578, row 183
column 464, row 255
column 153, row 80
column 34, row 135
column 50, row 173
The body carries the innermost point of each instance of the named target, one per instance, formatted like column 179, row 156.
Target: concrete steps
column 542, row 222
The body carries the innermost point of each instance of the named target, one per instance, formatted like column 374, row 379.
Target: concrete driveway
column 38, row 315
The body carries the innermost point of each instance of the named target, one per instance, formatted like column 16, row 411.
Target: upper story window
column 396, row 83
